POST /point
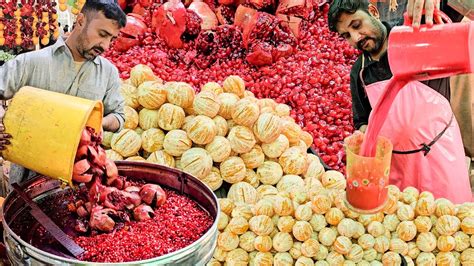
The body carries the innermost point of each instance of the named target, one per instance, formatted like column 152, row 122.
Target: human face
column 96, row 32
column 363, row 31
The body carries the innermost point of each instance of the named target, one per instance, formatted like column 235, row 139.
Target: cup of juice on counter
column 367, row 177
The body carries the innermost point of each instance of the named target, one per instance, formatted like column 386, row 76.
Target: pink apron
column 428, row 149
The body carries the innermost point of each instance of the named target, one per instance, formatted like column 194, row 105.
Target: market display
column 235, row 94
column 282, row 207
column 310, row 73
column 27, row 23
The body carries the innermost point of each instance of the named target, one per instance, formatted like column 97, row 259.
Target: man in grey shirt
column 72, row 67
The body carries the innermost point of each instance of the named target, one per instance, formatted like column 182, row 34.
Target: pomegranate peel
column 82, row 212
column 261, row 54
column 143, row 212
column 292, row 22
column 261, row 4
column 243, row 15
column 140, row 10
column 82, row 178
column 226, row 2
column 132, row 189
column 129, row 35
column 209, row 19
column 299, row 8
column 153, row 195
column 111, row 169
column 80, row 167
column 101, row 220
column 169, row 22
column 85, row 138
column 225, row 14
column 81, row 152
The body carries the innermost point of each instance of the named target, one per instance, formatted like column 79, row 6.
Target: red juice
column 367, row 177
column 379, row 114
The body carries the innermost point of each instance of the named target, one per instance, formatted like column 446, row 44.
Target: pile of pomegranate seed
column 177, row 224
column 314, row 80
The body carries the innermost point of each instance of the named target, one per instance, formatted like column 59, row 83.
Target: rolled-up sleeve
column 113, row 100
column 12, row 76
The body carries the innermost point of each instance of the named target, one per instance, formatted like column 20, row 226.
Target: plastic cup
column 367, row 177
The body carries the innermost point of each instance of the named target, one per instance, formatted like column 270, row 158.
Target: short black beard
column 379, row 42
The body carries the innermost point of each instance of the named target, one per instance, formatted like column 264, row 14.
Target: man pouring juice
column 427, row 147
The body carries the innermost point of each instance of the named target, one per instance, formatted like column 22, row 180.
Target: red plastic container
column 439, row 51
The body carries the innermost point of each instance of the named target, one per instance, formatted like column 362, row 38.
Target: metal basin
column 19, row 238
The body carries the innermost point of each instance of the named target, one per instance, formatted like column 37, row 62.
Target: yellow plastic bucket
column 46, row 129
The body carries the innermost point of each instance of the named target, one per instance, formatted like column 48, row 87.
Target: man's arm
column 113, row 104
column 12, row 76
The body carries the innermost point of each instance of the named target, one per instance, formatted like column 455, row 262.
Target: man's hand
column 415, row 11
column 110, row 123
column 4, row 137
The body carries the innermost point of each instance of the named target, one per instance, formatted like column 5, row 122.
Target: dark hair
column 109, row 8
column 348, row 6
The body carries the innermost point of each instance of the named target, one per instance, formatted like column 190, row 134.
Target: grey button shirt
column 53, row 69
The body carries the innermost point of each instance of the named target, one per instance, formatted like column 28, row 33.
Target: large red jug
column 439, row 51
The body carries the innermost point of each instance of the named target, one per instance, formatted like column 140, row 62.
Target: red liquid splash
column 379, row 114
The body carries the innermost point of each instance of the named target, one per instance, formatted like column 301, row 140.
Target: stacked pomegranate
column 111, row 198
column 309, row 72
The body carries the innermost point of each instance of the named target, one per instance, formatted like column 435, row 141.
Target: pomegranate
column 140, row 10
column 81, row 227
column 123, row 4
column 298, row 8
column 81, row 167
column 101, row 220
column 243, row 15
column 209, row 19
column 226, row 2
column 169, row 22
column 143, row 212
column 82, row 212
column 225, row 14
column 261, row 4
column 82, row 152
column 130, row 34
column 111, row 169
column 260, row 53
column 120, row 200
column 153, row 195
column 292, row 22
column 109, row 194
column 85, row 138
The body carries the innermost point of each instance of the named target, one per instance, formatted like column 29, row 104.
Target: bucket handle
column 407, row 20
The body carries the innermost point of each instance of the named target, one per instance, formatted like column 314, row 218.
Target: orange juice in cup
column 367, row 177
